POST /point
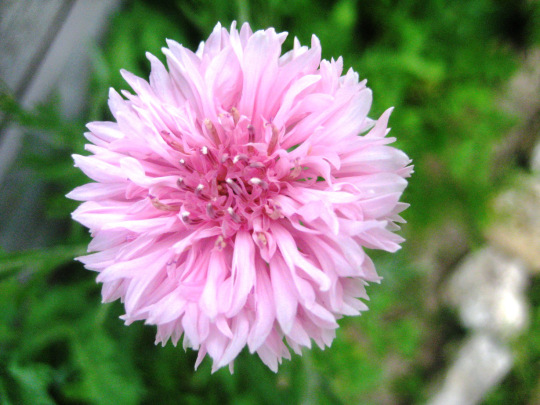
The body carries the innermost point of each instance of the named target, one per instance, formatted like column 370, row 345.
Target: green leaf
column 44, row 259
column 32, row 383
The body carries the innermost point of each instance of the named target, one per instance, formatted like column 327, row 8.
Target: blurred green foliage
column 442, row 64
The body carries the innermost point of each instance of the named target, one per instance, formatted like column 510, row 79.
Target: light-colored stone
column 517, row 227
column 481, row 363
column 522, row 98
column 487, row 289
column 535, row 160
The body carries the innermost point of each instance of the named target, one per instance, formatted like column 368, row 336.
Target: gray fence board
column 43, row 48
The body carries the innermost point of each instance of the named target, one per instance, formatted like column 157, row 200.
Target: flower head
column 233, row 196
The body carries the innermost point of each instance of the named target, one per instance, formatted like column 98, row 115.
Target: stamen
column 188, row 220
column 258, row 182
column 210, row 211
column 262, row 238
column 208, row 154
column 185, row 165
column 198, row 190
column 235, row 115
column 295, row 172
column 273, row 212
column 220, row 243
column 273, row 140
column 161, row 206
column 239, row 157
column 251, row 133
column 236, row 188
column 257, row 165
column 212, row 131
column 166, row 135
column 182, row 185
column 224, row 157
column 234, row 215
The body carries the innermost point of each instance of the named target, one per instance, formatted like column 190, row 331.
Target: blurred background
column 456, row 319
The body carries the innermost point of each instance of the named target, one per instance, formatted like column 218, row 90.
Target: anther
column 273, row 212
column 220, row 243
column 257, row 165
column 235, row 187
column 235, row 217
column 295, row 172
column 185, row 165
column 273, row 140
column 210, row 211
column 239, row 157
column 251, row 133
column 208, row 154
column 166, row 135
column 262, row 238
column 198, row 190
column 235, row 115
column 258, row 182
column 161, row 206
column 188, row 220
column 211, row 130
column 182, row 185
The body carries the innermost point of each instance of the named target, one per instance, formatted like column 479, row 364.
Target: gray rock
column 482, row 362
column 517, row 229
column 487, row 289
column 535, row 160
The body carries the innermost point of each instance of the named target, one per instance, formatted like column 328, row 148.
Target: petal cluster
column 233, row 196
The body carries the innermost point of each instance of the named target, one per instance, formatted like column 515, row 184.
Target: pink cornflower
column 233, row 196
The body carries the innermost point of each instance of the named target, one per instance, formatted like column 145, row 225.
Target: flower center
column 231, row 180
column 221, row 183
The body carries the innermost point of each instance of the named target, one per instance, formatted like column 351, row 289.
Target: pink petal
column 284, row 297
column 242, row 272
